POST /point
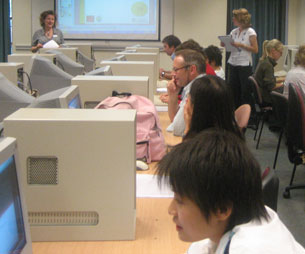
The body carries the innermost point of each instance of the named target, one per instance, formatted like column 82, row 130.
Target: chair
column 263, row 112
column 242, row 115
column 270, row 184
column 295, row 129
column 280, row 109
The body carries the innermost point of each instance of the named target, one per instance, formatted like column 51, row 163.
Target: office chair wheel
column 286, row 194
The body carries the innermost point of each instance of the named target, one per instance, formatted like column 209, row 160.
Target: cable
column 30, row 84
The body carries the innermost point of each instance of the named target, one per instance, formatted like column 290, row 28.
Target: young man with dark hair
column 170, row 43
column 218, row 202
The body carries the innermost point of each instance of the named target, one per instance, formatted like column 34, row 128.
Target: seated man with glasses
column 187, row 66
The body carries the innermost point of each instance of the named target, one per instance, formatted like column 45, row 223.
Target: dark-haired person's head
column 214, row 55
column 48, row 18
column 191, row 44
column 170, row 43
column 217, row 185
column 211, row 102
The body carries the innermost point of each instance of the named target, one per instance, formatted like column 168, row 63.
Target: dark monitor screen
column 75, row 102
column 12, row 229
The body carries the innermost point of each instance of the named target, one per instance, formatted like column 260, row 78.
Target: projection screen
column 109, row 20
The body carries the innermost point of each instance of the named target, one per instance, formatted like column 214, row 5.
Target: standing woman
column 48, row 31
column 240, row 62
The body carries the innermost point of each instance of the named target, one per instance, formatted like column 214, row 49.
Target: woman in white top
column 240, row 62
column 297, row 74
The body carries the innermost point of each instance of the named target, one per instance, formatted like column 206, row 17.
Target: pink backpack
column 150, row 140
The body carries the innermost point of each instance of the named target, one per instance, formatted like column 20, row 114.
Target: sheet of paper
column 227, row 40
column 51, row 45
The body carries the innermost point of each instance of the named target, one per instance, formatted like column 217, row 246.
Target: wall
column 202, row 20
column 300, row 30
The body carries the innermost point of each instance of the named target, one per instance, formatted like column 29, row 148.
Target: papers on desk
column 227, row 41
column 51, row 45
column 281, row 73
column 147, row 187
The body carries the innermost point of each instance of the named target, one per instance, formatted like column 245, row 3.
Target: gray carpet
column 292, row 210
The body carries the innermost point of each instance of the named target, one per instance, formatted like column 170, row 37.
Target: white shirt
column 178, row 124
column 220, row 73
column 295, row 76
column 242, row 57
column 266, row 237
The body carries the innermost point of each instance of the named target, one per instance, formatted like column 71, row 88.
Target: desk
column 155, row 231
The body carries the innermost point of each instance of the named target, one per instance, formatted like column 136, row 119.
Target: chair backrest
column 256, row 90
column 301, row 97
column 294, row 123
column 270, row 183
column 280, row 107
column 242, row 115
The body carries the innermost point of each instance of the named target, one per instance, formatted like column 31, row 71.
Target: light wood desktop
column 155, row 231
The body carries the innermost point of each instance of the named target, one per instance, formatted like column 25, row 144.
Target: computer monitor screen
column 67, row 64
column 14, row 237
column 103, row 71
column 67, row 97
column 47, row 77
column 12, row 98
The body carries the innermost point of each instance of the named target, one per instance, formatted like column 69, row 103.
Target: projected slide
column 103, row 19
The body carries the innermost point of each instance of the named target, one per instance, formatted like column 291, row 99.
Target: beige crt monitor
column 145, row 56
column 84, row 47
column 134, row 68
column 14, row 227
column 69, row 52
column 144, row 49
column 13, row 72
column 94, row 89
column 27, row 60
column 78, row 168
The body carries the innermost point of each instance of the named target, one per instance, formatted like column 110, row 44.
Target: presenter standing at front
column 240, row 62
column 48, row 31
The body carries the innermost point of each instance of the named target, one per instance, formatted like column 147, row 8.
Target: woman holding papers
column 240, row 61
column 48, row 31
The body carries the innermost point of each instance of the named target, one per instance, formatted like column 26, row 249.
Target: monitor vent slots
column 72, row 218
column 42, row 170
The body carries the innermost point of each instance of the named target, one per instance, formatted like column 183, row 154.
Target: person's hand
column 160, row 72
column 188, row 111
column 172, row 88
column 237, row 44
column 39, row 45
column 164, row 97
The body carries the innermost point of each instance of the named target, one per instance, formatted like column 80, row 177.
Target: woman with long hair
column 264, row 73
column 209, row 105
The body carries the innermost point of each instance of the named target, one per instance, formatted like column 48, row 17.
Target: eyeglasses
column 183, row 67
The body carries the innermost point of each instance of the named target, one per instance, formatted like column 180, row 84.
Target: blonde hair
column 243, row 17
column 269, row 45
column 300, row 56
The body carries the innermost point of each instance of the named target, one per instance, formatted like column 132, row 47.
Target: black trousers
column 240, row 85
